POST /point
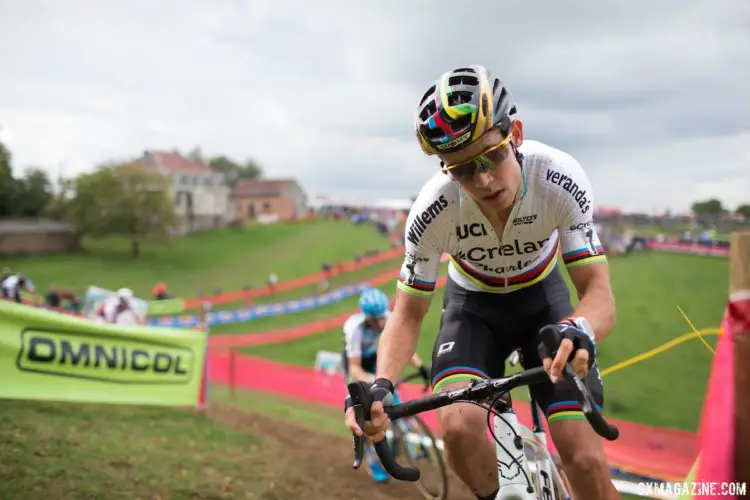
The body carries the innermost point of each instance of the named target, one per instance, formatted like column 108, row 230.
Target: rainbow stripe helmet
column 373, row 302
column 459, row 107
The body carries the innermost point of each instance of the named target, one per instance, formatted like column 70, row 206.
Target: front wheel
column 553, row 485
column 413, row 440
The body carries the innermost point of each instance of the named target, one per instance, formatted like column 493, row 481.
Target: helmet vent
column 463, row 80
column 464, row 70
column 427, row 94
column 459, row 97
column 429, row 110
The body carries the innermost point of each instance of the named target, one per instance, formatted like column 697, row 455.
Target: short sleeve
column 423, row 249
column 353, row 336
column 578, row 238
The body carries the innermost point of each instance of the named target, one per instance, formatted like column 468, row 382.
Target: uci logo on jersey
column 467, row 230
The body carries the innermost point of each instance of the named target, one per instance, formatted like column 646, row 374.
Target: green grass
column 299, row 318
column 350, row 278
column 647, row 287
column 66, row 451
column 229, row 259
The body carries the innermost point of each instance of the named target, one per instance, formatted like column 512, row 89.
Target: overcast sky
column 650, row 96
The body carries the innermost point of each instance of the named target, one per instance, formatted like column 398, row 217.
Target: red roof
column 253, row 188
column 174, row 162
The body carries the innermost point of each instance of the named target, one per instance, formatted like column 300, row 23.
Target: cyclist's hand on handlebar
column 375, row 427
column 576, row 348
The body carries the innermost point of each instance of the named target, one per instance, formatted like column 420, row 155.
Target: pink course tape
column 717, row 422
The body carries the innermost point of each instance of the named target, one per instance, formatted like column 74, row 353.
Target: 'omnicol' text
column 102, row 358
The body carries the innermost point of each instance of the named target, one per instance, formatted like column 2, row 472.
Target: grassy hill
column 228, row 258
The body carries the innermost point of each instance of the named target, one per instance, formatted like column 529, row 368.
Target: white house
column 200, row 195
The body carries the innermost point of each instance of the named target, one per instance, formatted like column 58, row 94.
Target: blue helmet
column 373, row 302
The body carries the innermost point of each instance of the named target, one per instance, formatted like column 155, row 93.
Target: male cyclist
column 502, row 208
column 359, row 357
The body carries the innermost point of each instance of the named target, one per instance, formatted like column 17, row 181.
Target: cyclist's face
column 487, row 169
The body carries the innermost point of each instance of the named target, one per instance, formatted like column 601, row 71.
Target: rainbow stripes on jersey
column 528, row 278
column 566, row 410
column 456, row 374
column 583, row 257
column 417, row 287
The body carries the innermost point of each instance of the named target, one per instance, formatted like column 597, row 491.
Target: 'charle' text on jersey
column 553, row 212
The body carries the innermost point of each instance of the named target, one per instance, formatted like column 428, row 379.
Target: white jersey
column 359, row 339
column 553, row 213
column 12, row 285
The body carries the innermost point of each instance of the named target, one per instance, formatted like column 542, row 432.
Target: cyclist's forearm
column 396, row 348
column 416, row 361
column 597, row 305
column 360, row 374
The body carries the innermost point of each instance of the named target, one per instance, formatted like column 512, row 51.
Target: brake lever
column 358, row 397
column 551, row 337
column 359, row 441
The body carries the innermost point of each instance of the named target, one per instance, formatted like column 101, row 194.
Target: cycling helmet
column 459, row 107
column 373, row 302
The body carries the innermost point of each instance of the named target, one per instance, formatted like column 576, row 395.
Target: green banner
column 167, row 306
column 51, row 356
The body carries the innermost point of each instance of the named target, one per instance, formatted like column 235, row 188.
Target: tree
column 8, row 185
column 235, row 171
column 34, row 193
column 196, row 155
column 744, row 210
column 126, row 199
column 25, row 197
column 708, row 207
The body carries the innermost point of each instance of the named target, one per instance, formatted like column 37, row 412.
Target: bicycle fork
column 547, row 474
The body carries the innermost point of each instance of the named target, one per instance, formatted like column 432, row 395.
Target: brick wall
column 36, row 243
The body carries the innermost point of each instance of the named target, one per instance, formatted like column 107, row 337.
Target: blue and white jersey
column 359, row 339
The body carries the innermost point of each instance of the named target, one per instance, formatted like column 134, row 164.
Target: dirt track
column 305, row 464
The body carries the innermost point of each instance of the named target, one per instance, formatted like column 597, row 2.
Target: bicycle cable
column 516, row 437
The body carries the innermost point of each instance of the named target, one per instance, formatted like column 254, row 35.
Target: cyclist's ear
column 442, row 164
column 517, row 132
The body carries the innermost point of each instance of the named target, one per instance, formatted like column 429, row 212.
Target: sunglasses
column 485, row 161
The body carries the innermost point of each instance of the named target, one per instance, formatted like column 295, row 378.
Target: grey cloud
column 326, row 91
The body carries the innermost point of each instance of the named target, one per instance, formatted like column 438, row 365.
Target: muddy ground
column 299, row 463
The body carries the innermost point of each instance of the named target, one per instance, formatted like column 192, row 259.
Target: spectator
column 119, row 309
column 53, row 297
column 3, row 277
column 14, row 284
column 74, row 305
column 160, row 291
